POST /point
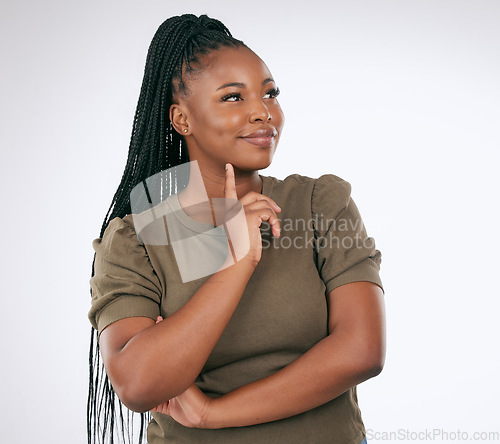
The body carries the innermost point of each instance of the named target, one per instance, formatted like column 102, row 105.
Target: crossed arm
column 353, row 352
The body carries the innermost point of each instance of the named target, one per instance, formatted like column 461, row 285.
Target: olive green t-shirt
column 283, row 311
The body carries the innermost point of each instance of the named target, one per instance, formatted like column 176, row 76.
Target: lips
column 263, row 137
column 265, row 132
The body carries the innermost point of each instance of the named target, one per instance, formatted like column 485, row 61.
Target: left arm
column 353, row 352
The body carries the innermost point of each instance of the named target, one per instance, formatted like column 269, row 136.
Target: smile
column 260, row 141
column 263, row 137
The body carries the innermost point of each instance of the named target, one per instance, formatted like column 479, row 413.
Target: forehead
column 232, row 65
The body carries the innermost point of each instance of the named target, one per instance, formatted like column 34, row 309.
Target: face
column 230, row 111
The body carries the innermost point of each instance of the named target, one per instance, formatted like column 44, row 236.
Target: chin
column 256, row 162
column 253, row 164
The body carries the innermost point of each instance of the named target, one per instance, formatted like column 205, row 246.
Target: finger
column 230, row 184
column 263, row 206
column 268, row 215
column 162, row 408
column 261, row 203
column 253, row 197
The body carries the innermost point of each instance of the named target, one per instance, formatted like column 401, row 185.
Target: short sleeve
column 124, row 283
column 345, row 253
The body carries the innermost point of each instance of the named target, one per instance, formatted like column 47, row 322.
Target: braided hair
column 174, row 53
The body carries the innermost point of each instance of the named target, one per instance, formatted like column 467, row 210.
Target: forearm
column 161, row 361
column 321, row 374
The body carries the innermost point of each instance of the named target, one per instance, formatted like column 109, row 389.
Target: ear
column 178, row 117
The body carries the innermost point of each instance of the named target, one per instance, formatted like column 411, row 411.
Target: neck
column 212, row 184
column 246, row 181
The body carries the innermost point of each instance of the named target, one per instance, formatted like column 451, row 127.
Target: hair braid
column 154, row 146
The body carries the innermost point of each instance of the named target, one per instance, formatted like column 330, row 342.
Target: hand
column 189, row 408
column 257, row 208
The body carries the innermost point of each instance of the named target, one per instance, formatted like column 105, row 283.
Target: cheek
column 278, row 117
column 227, row 122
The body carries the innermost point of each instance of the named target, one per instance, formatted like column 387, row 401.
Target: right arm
column 149, row 363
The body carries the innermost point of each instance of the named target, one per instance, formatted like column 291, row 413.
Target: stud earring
column 185, row 130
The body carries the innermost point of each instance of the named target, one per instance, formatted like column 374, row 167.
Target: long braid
column 154, row 147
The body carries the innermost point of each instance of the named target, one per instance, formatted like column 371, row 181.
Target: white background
column 400, row 98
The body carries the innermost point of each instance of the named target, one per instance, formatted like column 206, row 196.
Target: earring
column 185, row 130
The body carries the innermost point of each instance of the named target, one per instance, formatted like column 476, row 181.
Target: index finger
column 230, row 184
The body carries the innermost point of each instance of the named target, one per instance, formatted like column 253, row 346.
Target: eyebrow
column 242, row 85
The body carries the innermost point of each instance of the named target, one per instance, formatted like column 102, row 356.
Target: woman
column 269, row 344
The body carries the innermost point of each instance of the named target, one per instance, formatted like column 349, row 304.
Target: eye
column 232, row 97
column 272, row 93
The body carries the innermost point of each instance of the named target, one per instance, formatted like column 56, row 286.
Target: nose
column 259, row 112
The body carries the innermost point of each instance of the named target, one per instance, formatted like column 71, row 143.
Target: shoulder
column 119, row 238
column 328, row 192
column 330, row 181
